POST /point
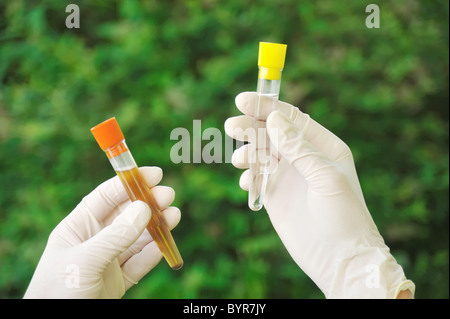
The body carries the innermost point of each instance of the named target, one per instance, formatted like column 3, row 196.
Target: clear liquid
column 260, row 151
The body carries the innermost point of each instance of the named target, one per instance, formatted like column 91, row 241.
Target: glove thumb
column 289, row 141
column 114, row 239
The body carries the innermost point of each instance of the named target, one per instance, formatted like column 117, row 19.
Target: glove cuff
column 405, row 285
column 370, row 272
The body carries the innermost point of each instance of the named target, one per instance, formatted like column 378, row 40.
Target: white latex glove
column 102, row 247
column 315, row 203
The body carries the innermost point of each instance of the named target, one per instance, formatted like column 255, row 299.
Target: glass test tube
column 271, row 59
column 111, row 140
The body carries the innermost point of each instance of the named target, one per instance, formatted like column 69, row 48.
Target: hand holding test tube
column 111, row 140
column 271, row 59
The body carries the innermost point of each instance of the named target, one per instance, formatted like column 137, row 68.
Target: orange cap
column 107, row 133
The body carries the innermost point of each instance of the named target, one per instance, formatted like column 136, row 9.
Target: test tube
column 271, row 59
column 110, row 138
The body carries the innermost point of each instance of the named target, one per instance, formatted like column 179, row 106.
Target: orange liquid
column 137, row 189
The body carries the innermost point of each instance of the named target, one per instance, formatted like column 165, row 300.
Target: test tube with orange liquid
column 110, row 138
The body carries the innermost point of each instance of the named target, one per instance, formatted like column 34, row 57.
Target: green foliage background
column 157, row 65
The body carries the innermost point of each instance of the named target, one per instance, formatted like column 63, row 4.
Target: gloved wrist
column 405, row 286
column 369, row 272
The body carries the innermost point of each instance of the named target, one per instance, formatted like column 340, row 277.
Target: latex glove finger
column 312, row 164
column 324, row 140
column 244, row 181
column 152, row 176
column 117, row 237
column 164, row 195
column 242, row 127
column 172, row 216
column 239, row 159
column 111, row 193
column 246, row 102
column 239, row 127
column 139, row 264
column 98, row 209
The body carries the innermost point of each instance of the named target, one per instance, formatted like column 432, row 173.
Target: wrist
column 405, row 290
column 369, row 272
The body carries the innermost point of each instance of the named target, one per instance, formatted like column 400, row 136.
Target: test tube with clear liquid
column 270, row 62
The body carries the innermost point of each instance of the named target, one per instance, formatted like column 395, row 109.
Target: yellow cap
column 271, row 57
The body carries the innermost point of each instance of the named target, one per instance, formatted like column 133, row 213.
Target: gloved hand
column 315, row 203
column 102, row 247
